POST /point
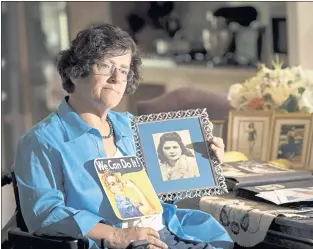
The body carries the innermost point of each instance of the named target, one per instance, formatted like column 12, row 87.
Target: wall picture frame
column 248, row 132
column 174, row 147
column 279, row 33
column 290, row 133
column 309, row 164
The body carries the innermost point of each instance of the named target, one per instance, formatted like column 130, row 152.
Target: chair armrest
column 4, row 231
column 141, row 244
column 25, row 239
column 6, row 179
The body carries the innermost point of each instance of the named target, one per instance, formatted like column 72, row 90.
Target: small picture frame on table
column 218, row 126
column 309, row 164
column 290, row 133
column 174, row 147
column 248, row 132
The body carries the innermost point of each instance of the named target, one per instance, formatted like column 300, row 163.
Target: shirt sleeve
column 39, row 176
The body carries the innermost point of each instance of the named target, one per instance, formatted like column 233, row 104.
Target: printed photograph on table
column 248, row 132
column 269, row 187
column 282, row 196
column 290, row 133
column 231, row 171
column 260, row 168
column 246, row 169
column 174, row 147
column 128, row 187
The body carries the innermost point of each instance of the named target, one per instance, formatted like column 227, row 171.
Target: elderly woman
column 58, row 186
column 176, row 161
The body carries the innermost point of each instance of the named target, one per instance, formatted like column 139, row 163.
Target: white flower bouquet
column 280, row 89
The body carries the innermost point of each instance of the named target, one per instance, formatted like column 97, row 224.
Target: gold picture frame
column 249, row 133
column 218, row 126
column 289, row 131
column 309, row 163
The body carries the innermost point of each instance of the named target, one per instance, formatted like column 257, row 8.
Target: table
column 281, row 232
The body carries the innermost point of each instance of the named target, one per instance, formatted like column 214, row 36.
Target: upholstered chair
column 189, row 98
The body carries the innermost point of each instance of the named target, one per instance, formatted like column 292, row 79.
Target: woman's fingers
column 219, row 142
column 216, row 149
column 156, row 243
column 154, row 240
column 219, row 152
column 153, row 233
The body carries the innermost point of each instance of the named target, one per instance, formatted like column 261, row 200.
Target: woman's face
column 115, row 185
column 172, row 150
column 105, row 90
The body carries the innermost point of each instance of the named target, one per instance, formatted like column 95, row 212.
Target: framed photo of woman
column 290, row 133
column 248, row 132
column 175, row 149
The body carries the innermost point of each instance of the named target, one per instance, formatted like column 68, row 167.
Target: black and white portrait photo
column 175, row 159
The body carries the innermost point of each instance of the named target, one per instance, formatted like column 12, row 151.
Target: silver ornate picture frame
column 174, row 148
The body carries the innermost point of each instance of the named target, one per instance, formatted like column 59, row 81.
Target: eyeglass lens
column 109, row 69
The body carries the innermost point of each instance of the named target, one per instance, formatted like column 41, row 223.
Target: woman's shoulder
column 43, row 131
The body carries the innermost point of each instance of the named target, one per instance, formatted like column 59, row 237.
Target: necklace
column 111, row 130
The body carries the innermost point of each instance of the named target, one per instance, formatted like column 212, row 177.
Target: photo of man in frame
column 175, row 159
column 291, row 142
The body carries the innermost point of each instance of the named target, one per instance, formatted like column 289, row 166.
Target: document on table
column 282, row 196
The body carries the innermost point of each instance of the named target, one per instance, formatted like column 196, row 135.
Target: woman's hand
column 135, row 202
column 218, row 147
column 123, row 237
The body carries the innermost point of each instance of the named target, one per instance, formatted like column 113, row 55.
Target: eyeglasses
column 106, row 68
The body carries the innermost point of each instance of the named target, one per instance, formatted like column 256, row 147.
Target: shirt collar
column 75, row 126
column 120, row 128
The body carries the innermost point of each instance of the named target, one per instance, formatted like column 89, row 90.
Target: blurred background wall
column 205, row 45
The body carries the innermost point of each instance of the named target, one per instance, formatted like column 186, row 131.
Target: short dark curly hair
column 89, row 47
column 171, row 136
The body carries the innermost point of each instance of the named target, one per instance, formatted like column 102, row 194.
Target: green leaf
column 267, row 97
column 301, row 90
column 291, row 104
column 305, row 109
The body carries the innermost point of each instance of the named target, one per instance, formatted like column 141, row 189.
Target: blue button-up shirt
column 59, row 189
